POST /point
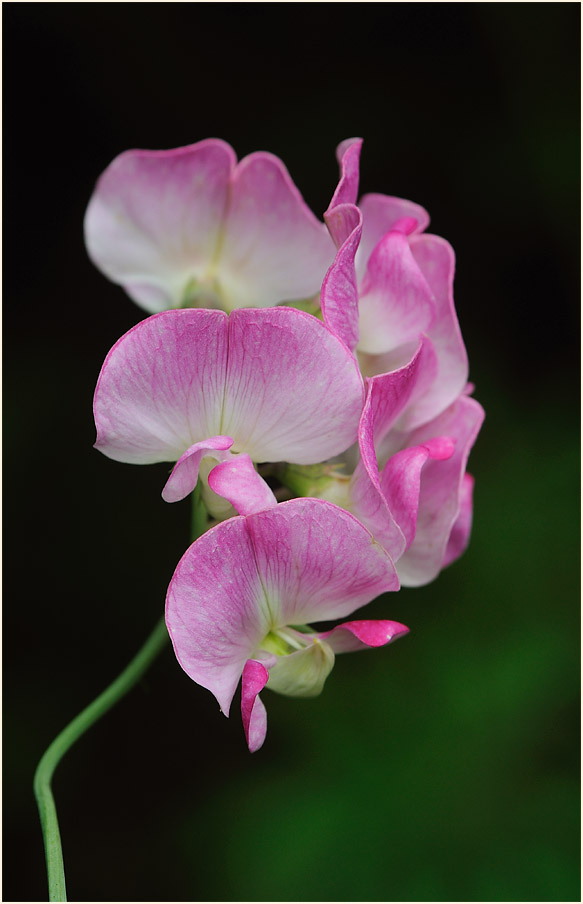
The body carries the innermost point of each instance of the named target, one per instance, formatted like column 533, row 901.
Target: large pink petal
column 379, row 215
column 274, row 249
column 161, row 387
column 276, row 380
column 369, row 505
column 317, row 561
column 253, row 712
column 154, row 220
column 237, row 481
column 436, row 261
column 184, row 476
column 396, row 303
column 441, row 492
column 462, row 526
column 361, row 635
column 293, row 391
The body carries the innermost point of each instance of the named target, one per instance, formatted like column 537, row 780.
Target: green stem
column 53, row 755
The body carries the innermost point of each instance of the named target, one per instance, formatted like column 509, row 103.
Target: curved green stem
column 53, row 755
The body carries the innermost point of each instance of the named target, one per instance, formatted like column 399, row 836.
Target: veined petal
column 462, row 526
column 161, row 387
column 396, row 303
column 274, row 249
column 441, row 492
column 317, row 561
column 436, row 260
column 237, row 480
column 379, row 215
column 154, row 220
column 184, row 476
column 276, row 380
column 253, row 712
column 293, row 390
column 361, row 635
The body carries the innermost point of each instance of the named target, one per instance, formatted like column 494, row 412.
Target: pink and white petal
column 161, row 387
column 389, row 395
column 462, row 527
column 400, row 481
column 362, row 635
column 339, row 295
column 379, row 215
column 154, row 220
column 237, row 480
column 293, row 392
column 184, row 476
column 348, row 156
column 317, row 561
column 436, row 261
column 395, row 301
column 441, row 490
column 274, row 249
column 369, row 505
column 216, row 610
column 253, row 712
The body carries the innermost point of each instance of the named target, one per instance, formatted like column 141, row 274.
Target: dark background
column 446, row 767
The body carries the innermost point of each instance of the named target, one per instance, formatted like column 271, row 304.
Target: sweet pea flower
column 390, row 284
column 198, row 387
column 191, row 227
column 241, row 598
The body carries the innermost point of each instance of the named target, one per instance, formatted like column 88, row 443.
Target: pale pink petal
column 215, row 608
column 441, row 492
column 253, row 712
column 379, row 215
column 436, row 260
column 462, row 527
column 390, row 394
column 400, row 481
column 161, row 387
column 293, row 392
column 154, row 220
column 317, row 561
column 369, row 505
column 361, row 635
column 274, row 249
column 237, row 480
column 339, row 295
column 395, row 301
column 184, row 476
column 348, row 156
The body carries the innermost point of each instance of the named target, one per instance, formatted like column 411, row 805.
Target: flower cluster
column 322, row 361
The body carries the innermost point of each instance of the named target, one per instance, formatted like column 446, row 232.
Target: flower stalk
column 141, row 662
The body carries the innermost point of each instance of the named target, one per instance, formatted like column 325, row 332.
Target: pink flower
column 241, row 597
column 191, row 227
column 196, row 387
column 389, row 285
